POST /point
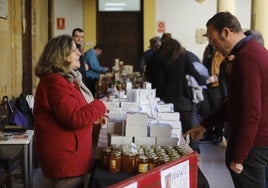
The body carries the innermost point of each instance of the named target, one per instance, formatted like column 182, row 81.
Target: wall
column 184, row 17
column 11, row 44
column 71, row 11
column 10, row 50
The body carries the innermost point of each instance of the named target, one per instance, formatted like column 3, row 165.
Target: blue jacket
column 90, row 57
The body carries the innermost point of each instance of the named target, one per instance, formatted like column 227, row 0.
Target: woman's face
column 74, row 58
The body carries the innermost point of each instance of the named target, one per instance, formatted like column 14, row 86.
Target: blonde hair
column 53, row 57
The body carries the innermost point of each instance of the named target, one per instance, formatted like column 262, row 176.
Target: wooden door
column 121, row 34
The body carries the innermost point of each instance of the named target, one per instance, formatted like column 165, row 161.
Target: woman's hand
column 196, row 133
column 102, row 120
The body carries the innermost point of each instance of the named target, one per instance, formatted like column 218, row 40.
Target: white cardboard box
column 136, row 131
column 145, row 141
column 121, row 140
column 166, row 141
column 134, row 119
column 173, row 124
column 170, row 116
column 160, row 130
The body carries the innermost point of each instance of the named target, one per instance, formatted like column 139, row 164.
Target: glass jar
column 115, row 162
column 106, row 152
column 164, row 159
column 142, row 164
column 128, row 163
column 153, row 161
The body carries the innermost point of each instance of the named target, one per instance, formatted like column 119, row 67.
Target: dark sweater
column 246, row 108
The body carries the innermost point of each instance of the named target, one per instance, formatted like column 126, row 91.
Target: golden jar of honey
column 142, row 164
column 115, row 161
column 128, row 163
column 106, row 152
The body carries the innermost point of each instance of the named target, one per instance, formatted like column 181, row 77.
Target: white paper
column 176, row 176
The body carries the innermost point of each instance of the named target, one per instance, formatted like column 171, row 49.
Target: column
column 226, row 5
column 259, row 15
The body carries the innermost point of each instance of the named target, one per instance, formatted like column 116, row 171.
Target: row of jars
column 139, row 160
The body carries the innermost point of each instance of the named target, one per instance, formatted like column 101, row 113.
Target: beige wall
column 11, row 44
column 39, row 32
column 10, row 50
column 11, row 38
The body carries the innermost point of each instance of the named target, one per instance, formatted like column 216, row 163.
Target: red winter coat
column 63, row 127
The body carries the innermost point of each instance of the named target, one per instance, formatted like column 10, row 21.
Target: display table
column 177, row 173
column 102, row 178
column 27, row 144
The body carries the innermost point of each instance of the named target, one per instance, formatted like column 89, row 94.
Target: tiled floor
column 211, row 163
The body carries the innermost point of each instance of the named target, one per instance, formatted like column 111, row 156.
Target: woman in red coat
column 64, row 113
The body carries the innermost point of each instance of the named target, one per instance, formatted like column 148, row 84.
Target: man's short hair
column 225, row 19
column 98, row 46
column 77, row 29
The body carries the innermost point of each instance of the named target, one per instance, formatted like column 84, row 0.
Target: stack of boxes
column 142, row 119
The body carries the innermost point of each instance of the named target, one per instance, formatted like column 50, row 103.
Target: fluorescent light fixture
column 113, row 8
column 115, row 4
column 119, row 5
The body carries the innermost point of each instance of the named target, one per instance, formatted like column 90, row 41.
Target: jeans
column 253, row 174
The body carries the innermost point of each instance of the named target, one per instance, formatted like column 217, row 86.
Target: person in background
column 174, row 64
column 212, row 60
column 152, row 69
column 78, row 37
column 64, row 113
column 155, row 44
column 246, row 106
column 95, row 69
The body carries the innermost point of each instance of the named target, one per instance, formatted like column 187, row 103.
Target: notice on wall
column 161, row 26
column 176, row 176
column 60, row 23
column 3, row 8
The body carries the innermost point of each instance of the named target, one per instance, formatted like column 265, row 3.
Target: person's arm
column 190, row 69
column 92, row 60
column 69, row 106
column 219, row 115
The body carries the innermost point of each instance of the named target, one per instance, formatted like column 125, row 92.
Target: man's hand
column 196, row 133
column 236, row 167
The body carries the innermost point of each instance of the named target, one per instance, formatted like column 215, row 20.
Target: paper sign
column 176, row 176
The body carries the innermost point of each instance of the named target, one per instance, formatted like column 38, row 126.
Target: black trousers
column 214, row 101
column 253, row 174
column 91, row 84
column 202, row 181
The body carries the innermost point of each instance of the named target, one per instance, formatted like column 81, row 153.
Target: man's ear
column 225, row 33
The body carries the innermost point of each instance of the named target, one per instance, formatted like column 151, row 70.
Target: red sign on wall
column 60, row 23
column 161, row 26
